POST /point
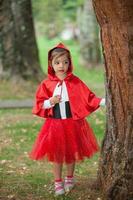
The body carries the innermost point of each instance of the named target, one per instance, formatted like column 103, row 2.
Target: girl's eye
column 66, row 62
column 57, row 63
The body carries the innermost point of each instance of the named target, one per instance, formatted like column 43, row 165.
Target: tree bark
column 116, row 161
column 18, row 53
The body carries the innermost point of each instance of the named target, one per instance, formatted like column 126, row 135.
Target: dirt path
column 25, row 103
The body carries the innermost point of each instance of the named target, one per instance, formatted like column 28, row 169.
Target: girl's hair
column 57, row 52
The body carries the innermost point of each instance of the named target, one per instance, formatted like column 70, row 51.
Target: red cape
column 82, row 100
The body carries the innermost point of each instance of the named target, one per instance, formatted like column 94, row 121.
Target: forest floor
column 25, row 179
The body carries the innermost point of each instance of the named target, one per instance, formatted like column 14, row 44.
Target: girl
column 64, row 100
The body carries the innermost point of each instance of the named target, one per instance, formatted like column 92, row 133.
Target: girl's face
column 60, row 66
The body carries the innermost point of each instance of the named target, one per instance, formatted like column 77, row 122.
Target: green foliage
column 46, row 10
column 70, row 8
column 48, row 13
column 53, row 14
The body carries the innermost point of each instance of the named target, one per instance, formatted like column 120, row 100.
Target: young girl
column 64, row 100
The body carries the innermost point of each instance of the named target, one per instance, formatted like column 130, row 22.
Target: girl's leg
column 59, row 188
column 69, row 179
column 58, row 171
column 70, row 169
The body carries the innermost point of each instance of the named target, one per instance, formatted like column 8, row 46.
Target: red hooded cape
column 82, row 100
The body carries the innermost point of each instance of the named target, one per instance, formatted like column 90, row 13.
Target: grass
column 20, row 90
column 24, row 179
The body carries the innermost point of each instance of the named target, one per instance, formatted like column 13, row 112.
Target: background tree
column 70, row 20
column 18, row 50
column 116, row 161
column 47, row 15
column 89, row 35
column 70, row 9
column 53, row 16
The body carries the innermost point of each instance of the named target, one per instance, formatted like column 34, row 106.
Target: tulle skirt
column 64, row 140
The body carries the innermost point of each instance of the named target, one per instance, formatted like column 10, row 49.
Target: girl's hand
column 55, row 99
column 102, row 102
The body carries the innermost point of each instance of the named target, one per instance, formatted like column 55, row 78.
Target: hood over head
column 51, row 72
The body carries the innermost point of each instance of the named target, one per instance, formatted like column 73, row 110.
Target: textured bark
column 18, row 52
column 116, row 161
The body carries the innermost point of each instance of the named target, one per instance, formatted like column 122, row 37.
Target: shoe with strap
column 69, row 183
column 59, row 188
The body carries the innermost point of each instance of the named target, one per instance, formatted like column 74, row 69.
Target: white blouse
column 62, row 91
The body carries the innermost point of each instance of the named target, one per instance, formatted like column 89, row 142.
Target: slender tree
column 89, row 35
column 18, row 49
column 48, row 14
column 116, row 162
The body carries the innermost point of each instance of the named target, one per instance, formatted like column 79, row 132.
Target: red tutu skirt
column 64, row 140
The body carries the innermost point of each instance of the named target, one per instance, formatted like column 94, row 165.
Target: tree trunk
column 18, row 52
column 116, row 161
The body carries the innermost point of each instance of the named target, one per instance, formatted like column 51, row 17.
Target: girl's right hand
column 55, row 99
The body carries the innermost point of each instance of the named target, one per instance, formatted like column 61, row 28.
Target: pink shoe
column 59, row 188
column 69, row 184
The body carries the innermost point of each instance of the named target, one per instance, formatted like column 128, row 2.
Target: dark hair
column 57, row 52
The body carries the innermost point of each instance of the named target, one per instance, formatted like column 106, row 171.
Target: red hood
column 51, row 73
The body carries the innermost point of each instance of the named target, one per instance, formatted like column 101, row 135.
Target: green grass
column 24, row 179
